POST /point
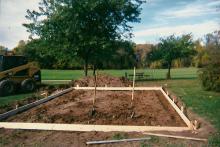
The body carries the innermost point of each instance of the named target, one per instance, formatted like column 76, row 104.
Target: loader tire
column 28, row 85
column 7, row 87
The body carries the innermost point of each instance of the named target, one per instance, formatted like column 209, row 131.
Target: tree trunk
column 86, row 67
column 168, row 73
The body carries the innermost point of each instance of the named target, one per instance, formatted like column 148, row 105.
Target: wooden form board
column 87, row 128
column 181, row 114
column 117, row 88
column 177, row 109
column 82, row 127
column 34, row 104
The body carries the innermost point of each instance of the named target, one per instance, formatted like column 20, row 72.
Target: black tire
column 28, row 85
column 7, row 87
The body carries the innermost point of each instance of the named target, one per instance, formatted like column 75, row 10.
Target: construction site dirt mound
column 102, row 80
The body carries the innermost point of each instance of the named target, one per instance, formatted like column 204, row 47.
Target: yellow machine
column 16, row 73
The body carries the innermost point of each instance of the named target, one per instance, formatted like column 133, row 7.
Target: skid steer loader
column 17, row 74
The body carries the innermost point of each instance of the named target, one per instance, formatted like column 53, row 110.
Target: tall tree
column 82, row 27
column 172, row 48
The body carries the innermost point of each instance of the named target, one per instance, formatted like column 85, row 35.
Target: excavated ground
column 111, row 107
column 149, row 108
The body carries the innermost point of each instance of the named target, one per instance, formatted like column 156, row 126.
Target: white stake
column 132, row 97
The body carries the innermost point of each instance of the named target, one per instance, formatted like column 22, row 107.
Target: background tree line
column 124, row 55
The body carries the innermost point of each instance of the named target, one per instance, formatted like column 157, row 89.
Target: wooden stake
column 93, row 102
column 132, row 96
column 196, row 125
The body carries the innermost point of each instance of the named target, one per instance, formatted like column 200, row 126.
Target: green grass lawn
column 10, row 99
column 180, row 73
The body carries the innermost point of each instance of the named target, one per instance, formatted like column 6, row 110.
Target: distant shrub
column 210, row 74
column 210, row 77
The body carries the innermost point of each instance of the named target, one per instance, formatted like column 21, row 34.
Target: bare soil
column 11, row 138
column 111, row 108
column 149, row 108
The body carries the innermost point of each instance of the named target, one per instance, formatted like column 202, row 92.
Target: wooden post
column 196, row 125
column 94, row 93
column 92, row 113
column 132, row 96
column 182, row 109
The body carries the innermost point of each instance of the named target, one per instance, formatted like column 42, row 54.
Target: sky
column 159, row 18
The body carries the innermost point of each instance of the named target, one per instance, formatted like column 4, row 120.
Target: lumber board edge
column 87, row 128
column 34, row 104
column 177, row 109
column 117, row 88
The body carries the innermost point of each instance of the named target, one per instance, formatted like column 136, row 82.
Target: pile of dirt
column 102, row 80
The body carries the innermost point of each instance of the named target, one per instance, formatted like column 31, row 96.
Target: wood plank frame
column 86, row 128
column 117, row 88
column 34, row 104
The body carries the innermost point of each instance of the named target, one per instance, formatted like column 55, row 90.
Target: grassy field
column 9, row 99
column 180, row 73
